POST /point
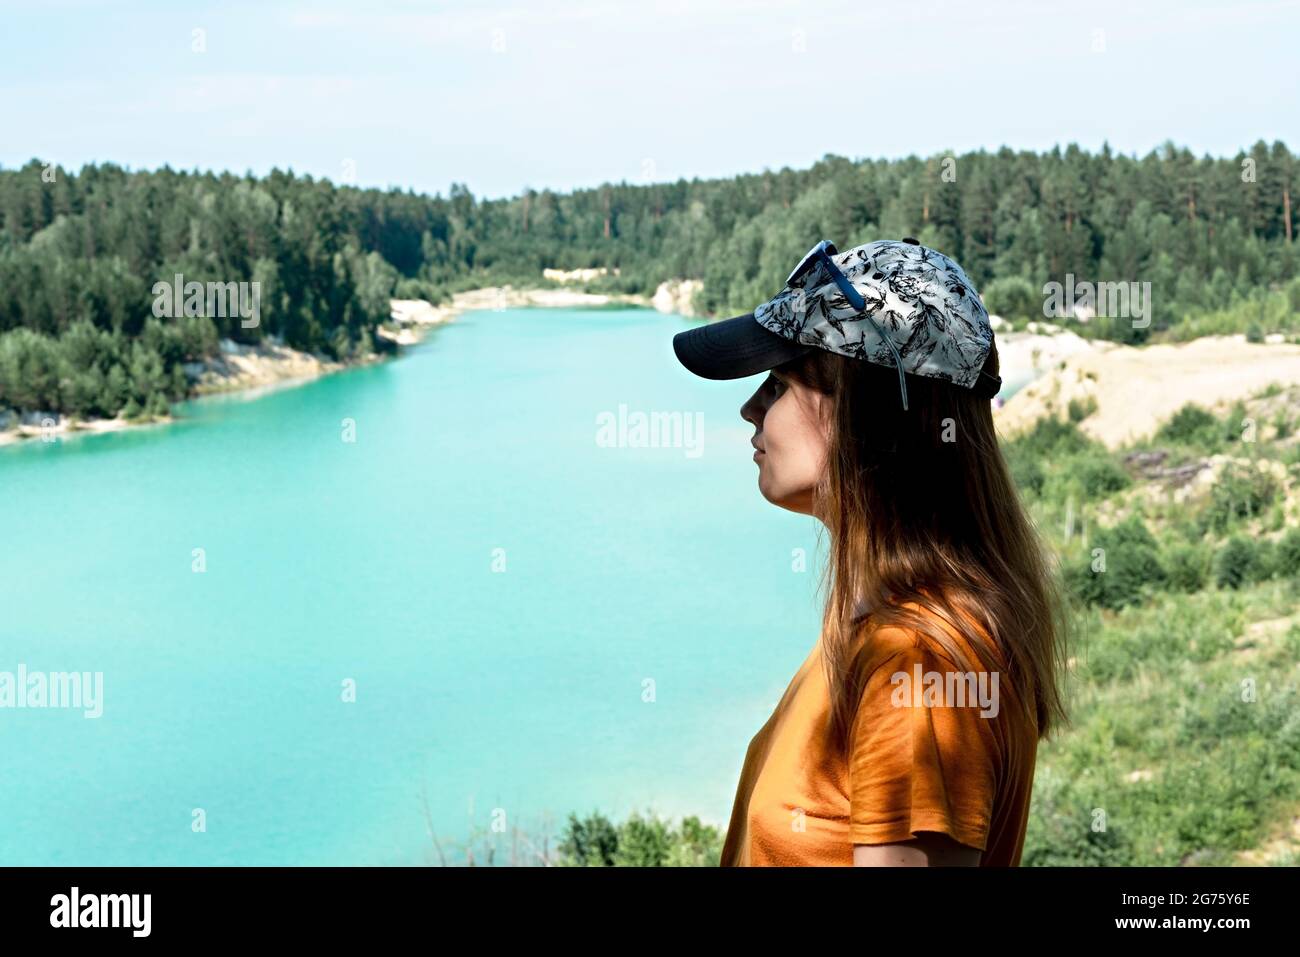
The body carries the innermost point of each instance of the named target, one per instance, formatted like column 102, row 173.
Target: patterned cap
column 917, row 300
column 917, row 297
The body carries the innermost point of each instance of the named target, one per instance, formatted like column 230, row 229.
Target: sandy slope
column 1027, row 355
column 1136, row 389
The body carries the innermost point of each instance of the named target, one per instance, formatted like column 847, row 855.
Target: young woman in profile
column 909, row 734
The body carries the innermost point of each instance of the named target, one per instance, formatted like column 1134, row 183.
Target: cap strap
column 987, row 386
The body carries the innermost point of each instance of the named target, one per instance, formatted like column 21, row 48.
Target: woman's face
column 790, row 439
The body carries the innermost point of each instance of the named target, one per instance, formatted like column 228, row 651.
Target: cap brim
column 734, row 348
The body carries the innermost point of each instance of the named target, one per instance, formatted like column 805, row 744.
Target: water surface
column 373, row 561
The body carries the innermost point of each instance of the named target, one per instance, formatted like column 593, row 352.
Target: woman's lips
column 757, row 453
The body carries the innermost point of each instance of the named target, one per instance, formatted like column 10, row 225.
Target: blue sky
column 577, row 92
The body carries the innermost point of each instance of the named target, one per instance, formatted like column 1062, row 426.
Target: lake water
column 480, row 685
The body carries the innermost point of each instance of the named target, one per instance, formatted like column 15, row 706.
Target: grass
column 1185, row 745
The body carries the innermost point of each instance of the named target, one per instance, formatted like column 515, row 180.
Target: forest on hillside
column 81, row 252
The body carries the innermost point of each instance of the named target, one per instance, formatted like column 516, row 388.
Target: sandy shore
column 53, row 428
column 238, row 367
column 507, row 297
column 254, row 369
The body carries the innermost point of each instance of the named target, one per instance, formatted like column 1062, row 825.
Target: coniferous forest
column 80, row 251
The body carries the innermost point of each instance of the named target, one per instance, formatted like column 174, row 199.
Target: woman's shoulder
column 918, row 635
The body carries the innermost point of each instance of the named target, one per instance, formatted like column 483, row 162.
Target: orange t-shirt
column 956, row 761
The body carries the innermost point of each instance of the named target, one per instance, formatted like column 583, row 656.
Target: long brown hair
column 920, row 508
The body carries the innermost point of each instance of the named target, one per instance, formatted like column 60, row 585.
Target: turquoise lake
column 379, row 561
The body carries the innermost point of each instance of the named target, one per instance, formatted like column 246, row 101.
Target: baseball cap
column 895, row 304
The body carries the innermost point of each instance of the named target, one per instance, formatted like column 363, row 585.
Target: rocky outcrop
column 676, row 296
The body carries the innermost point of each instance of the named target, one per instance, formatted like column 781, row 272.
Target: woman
column 909, row 734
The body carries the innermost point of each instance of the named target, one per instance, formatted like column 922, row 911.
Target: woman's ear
column 826, row 414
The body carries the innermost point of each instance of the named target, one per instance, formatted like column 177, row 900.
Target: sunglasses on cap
column 820, row 255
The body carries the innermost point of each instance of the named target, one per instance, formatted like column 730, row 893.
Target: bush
column 1242, row 491
column 642, row 843
column 1191, row 425
column 589, row 843
column 1283, row 425
column 1052, row 438
column 1013, row 298
column 1288, row 553
column 1099, row 475
column 1187, row 567
column 1026, row 470
column 1235, row 563
column 1080, row 409
column 1266, row 561
column 1120, row 569
column 639, row 842
column 1048, row 439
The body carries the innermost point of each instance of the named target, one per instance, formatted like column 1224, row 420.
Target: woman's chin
column 800, row 501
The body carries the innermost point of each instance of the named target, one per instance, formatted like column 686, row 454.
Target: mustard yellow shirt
column 917, row 762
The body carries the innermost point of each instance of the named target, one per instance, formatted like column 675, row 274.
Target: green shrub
column 591, row 842
column 1288, row 553
column 1012, row 297
column 1121, row 568
column 1099, row 475
column 639, row 842
column 1068, row 827
column 1052, row 437
column 1026, row 470
column 1187, row 567
column 1235, row 563
column 1049, row 449
column 1266, row 561
column 1242, row 491
column 1080, row 409
column 642, row 843
column 1283, row 424
column 1191, row 425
